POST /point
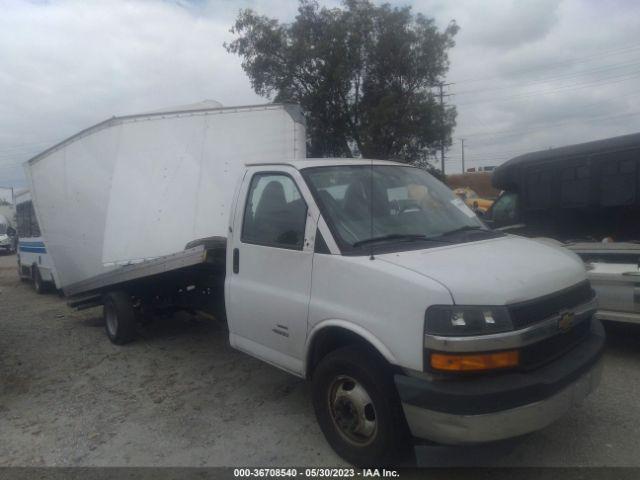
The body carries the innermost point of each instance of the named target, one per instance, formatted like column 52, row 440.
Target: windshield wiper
column 405, row 237
column 466, row 228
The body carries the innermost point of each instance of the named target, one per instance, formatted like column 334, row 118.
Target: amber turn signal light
column 474, row 362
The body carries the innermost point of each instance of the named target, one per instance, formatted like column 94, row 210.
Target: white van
column 7, row 235
column 34, row 262
column 369, row 278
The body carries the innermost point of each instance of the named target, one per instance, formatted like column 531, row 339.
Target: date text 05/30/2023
column 314, row 473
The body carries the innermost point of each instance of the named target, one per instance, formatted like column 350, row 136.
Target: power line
column 553, row 78
column 619, row 79
column 506, row 154
column 572, row 122
column 584, row 108
column 509, row 133
column 562, row 63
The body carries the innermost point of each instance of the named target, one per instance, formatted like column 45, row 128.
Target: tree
column 363, row 74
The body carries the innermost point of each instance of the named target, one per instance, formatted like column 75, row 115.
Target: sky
column 525, row 75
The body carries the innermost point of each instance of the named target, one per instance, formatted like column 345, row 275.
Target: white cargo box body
column 139, row 187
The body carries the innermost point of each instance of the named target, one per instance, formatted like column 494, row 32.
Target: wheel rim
column 352, row 411
column 111, row 319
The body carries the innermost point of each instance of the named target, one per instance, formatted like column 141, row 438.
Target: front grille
column 537, row 354
column 525, row 313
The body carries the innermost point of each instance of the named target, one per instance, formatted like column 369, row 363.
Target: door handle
column 236, row 260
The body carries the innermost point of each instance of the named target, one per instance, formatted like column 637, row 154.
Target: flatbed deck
column 135, row 271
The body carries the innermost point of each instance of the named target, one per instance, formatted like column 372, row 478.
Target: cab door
column 270, row 255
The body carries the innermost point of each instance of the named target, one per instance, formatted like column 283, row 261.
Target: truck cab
column 410, row 317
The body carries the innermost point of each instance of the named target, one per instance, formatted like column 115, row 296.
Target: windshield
column 408, row 204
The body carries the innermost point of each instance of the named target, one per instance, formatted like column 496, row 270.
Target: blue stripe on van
column 31, row 244
column 32, row 247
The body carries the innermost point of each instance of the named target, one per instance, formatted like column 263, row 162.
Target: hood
column 494, row 272
column 3, row 237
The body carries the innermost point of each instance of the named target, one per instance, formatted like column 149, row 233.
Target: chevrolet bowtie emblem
column 566, row 321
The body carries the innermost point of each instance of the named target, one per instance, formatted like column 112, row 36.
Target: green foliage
column 363, row 74
column 4, row 203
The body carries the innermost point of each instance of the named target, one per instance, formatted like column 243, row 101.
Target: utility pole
column 442, row 133
column 462, row 143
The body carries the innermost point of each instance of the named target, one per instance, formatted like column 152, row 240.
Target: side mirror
column 487, row 218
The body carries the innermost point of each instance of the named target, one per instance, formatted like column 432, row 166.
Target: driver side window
column 275, row 213
column 505, row 210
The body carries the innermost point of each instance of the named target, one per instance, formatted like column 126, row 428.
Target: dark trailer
column 588, row 191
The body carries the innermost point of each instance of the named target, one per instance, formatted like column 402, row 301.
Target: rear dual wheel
column 119, row 317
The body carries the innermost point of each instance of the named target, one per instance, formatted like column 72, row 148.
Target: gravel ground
column 180, row 396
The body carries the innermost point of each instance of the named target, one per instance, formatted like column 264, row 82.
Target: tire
column 38, row 284
column 20, row 274
column 119, row 317
column 358, row 408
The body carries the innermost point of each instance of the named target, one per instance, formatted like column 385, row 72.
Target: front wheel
column 358, row 408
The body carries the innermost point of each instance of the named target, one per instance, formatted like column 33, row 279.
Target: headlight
column 455, row 321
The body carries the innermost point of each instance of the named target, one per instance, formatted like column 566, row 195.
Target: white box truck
column 370, row 278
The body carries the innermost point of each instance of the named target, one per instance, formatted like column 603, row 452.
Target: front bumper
column 476, row 410
column 615, row 316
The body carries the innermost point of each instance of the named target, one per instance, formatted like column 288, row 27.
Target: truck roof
column 330, row 162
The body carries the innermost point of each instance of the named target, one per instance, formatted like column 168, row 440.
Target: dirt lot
column 181, row 396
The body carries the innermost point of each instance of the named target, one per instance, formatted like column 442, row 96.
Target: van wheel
column 119, row 317
column 358, row 408
column 38, row 283
column 21, row 273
